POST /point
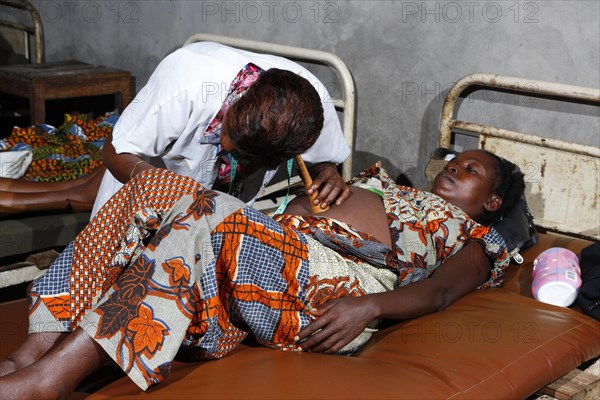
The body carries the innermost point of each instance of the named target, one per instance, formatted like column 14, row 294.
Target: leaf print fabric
column 113, row 239
column 215, row 272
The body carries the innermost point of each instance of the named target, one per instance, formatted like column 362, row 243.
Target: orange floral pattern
column 106, row 246
column 148, row 333
column 253, row 274
column 320, row 291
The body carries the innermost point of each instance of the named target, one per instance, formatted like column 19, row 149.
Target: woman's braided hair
column 510, row 185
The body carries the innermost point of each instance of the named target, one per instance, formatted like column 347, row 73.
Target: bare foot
column 7, row 366
column 34, row 347
column 58, row 372
column 29, row 383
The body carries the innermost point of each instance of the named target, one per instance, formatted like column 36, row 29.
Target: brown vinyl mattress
column 496, row 343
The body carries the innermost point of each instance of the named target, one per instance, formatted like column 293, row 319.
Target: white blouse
column 165, row 121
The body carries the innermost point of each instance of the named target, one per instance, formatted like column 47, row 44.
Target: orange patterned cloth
column 425, row 230
column 97, row 256
column 215, row 271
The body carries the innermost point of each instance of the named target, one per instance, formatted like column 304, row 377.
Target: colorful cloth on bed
column 64, row 153
column 238, row 87
column 425, row 231
column 215, row 271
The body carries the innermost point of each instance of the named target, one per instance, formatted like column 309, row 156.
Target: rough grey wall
column 404, row 56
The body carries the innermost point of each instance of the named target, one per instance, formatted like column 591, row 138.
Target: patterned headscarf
column 238, row 87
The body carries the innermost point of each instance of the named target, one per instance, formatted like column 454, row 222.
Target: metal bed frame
column 346, row 104
column 558, row 202
column 35, row 29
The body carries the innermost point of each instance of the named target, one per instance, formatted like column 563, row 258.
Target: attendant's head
column 482, row 184
column 278, row 118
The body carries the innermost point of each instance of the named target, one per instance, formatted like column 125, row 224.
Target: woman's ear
column 226, row 142
column 493, row 203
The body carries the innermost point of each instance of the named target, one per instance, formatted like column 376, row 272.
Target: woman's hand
column 338, row 322
column 329, row 185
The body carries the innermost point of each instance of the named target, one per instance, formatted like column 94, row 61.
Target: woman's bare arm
column 23, row 186
column 122, row 166
column 76, row 195
column 340, row 321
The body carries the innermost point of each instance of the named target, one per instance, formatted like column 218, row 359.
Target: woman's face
column 468, row 182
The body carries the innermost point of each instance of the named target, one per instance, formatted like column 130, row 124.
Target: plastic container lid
column 557, row 293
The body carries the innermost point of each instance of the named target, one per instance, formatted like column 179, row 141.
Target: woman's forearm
column 341, row 320
column 460, row 274
column 23, row 186
column 122, row 166
column 416, row 299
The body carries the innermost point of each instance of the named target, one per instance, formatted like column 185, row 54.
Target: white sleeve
column 183, row 93
column 175, row 103
column 108, row 187
column 156, row 117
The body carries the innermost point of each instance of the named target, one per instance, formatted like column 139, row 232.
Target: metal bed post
column 556, row 161
column 36, row 30
column 520, row 85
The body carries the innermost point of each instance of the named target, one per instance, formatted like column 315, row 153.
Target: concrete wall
column 404, row 56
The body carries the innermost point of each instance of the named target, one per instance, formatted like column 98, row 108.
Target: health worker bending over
column 217, row 114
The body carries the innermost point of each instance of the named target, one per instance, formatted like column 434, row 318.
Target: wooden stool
column 63, row 80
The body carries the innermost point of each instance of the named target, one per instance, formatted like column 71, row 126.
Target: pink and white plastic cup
column 556, row 277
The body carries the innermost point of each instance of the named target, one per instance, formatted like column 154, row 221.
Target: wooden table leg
column 124, row 97
column 37, row 105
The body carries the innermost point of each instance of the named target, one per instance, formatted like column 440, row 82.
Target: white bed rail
column 347, row 103
column 563, row 178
